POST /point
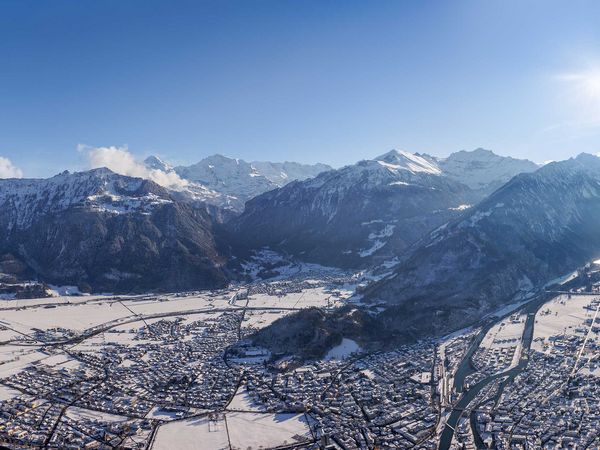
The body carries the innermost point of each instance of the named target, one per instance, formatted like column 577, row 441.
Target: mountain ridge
column 108, row 232
column 361, row 213
column 535, row 228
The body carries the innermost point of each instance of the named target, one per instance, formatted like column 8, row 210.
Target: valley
column 394, row 303
column 153, row 371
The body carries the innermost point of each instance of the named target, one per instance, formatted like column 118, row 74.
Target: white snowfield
column 503, row 340
column 238, row 430
column 345, row 349
column 506, row 333
column 564, row 316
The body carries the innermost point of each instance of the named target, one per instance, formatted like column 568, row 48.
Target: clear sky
column 328, row 81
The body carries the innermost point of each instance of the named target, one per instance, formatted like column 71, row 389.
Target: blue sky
column 328, row 81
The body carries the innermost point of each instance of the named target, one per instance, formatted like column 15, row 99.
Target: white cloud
column 8, row 169
column 120, row 160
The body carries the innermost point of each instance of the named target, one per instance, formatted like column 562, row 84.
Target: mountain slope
column 282, row 173
column 373, row 210
column 355, row 215
column 109, row 232
column 537, row 227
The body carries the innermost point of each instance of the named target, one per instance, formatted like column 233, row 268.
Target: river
column 465, row 368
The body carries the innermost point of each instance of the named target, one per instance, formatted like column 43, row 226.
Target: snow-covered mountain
column 283, row 173
column 155, row 163
column 229, row 182
column 370, row 211
column 535, row 228
column 233, row 177
column 24, row 200
column 108, row 231
column 482, row 169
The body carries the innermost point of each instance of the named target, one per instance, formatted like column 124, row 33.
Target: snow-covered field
column 192, row 434
column 81, row 313
column 266, row 430
column 245, row 430
column 317, row 297
column 243, row 402
column 25, row 323
column 7, row 393
column 507, row 333
column 563, row 315
column 14, row 358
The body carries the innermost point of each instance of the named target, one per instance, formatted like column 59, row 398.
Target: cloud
column 120, row 160
column 8, row 170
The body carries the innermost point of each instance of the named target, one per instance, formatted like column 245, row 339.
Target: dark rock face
column 537, row 227
column 108, row 232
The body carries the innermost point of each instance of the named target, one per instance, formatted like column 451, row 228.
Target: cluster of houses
column 382, row 400
column 553, row 404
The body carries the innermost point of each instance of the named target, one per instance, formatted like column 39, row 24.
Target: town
column 158, row 371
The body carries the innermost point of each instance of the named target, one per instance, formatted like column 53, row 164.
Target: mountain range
column 455, row 246
column 535, row 228
column 229, row 182
column 373, row 210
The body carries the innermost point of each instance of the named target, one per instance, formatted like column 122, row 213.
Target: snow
column 245, row 429
column 346, row 348
column 243, row 402
column 562, row 315
column 387, row 231
column 480, row 168
column 266, row 430
column 235, row 178
column 402, row 160
column 77, row 413
column 505, row 333
column 98, row 189
column 63, row 291
column 462, row 207
column 192, row 434
column 15, row 358
column 369, row 251
column 283, row 266
column 7, row 393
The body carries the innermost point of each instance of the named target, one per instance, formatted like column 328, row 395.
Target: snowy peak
column 479, row 169
column 233, row 177
column 243, row 180
column 482, row 169
column 155, row 163
column 413, row 162
column 229, row 182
